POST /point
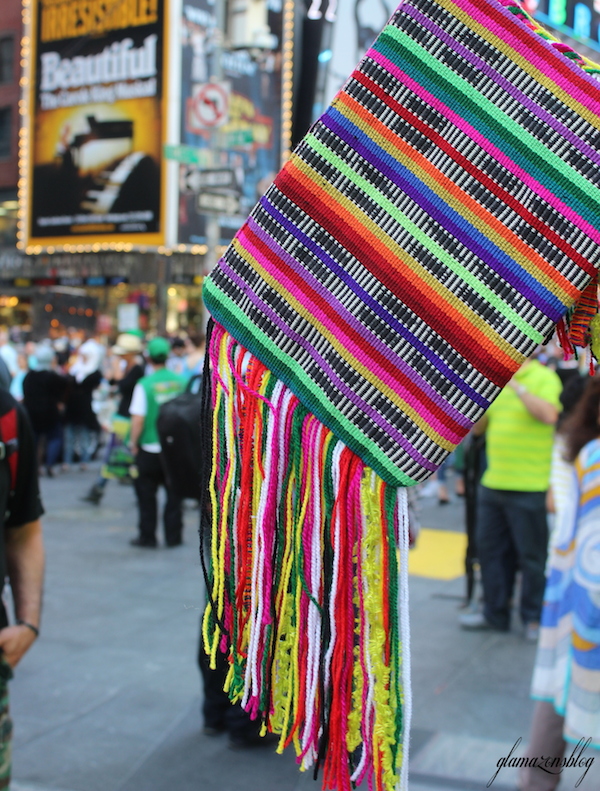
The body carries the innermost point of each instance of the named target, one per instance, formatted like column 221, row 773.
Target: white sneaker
column 532, row 632
column 473, row 620
column 429, row 489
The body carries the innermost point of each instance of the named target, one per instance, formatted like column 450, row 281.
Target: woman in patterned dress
column 566, row 678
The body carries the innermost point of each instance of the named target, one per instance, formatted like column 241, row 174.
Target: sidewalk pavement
column 108, row 699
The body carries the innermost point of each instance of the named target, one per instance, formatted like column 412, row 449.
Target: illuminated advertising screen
column 232, row 122
column 97, row 128
column 579, row 19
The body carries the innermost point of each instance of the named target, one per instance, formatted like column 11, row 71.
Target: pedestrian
column 148, row 395
column 512, row 527
column 176, row 361
column 43, row 391
column 5, row 377
column 561, row 469
column 81, row 422
column 127, row 370
column 195, row 345
column 474, row 463
column 219, row 714
column 8, row 352
column 566, row 677
column 21, row 555
column 61, row 347
column 442, row 493
column 16, row 385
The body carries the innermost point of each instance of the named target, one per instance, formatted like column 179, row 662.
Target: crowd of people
column 89, row 399
column 73, row 385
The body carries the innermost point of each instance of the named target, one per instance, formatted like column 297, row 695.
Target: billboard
column 232, row 122
column 97, row 123
column 579, row 19
column 354, row 25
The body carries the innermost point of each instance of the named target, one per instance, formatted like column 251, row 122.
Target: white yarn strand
column 252, row 682
column 335, row 528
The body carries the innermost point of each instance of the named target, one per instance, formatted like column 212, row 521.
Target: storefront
column 45, row 294
column 9, row 206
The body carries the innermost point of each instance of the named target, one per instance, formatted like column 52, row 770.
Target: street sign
column 187, row 155
column 217, row 179
column 224, row 179
column 192, row 180
column 208, row 107
column 237, row 138
column 218, row 203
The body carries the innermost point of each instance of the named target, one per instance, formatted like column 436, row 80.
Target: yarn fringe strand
column 308, row 590
column 580, row 326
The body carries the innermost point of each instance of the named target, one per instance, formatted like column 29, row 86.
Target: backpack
column 178, row 427
column 9, row 444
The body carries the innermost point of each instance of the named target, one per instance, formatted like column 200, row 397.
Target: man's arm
column 25, row 564
column 481, row 426
column 537, row 407
column 137, row 426
column 137, row 409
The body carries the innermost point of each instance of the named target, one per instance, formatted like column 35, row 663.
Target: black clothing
column 25, row 504
column 78, row 406
column 48, row 445
column 512, row 532
column 474, row 467
column 5, row 377
column 42, row 392
column 126, row 386
column 150, row 476
column 218, row 711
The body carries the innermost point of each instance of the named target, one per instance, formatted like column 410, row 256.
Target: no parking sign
column 208, row 107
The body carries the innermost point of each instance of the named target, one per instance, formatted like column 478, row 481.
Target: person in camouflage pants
column 21, row 555
column 6, row 726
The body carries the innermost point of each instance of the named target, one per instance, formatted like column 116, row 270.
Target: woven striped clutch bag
column 427, row 234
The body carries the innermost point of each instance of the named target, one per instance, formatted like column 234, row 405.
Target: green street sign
column 187, row 155
column 235, row 138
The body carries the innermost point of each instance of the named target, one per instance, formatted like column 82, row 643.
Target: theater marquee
column 97, row 110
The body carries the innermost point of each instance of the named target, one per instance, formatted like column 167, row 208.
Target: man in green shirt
column 512, row 529
column 148, row 396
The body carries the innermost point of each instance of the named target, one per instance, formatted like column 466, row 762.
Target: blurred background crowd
column 74, row 385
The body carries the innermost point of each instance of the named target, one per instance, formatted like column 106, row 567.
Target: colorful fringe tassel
column 585, row 309
column 575, row 329
column 309, row 587
column 580, row 327
column 522, row 12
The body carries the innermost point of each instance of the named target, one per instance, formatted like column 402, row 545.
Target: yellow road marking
column 438, row 555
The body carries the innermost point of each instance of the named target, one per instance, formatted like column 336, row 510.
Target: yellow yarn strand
column 384, row 727
column 211, row 644
column 282, row 667
column 595, row 336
